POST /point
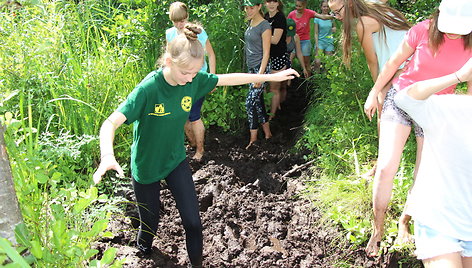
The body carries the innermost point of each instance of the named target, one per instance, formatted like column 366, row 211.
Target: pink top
column 303, row 23
column 449, row 58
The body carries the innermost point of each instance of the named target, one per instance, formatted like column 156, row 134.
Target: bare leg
column 307, row 60
column 189, row 133
column 445, row 261
column 198, row 130
column 292, row 56
column 275, row 89
column 467, row 262
column 381, row 98
column 404, row 234
column 266, row 129
column 283, row 92
column 391, row 144
column 253, row 138
column 316, row 65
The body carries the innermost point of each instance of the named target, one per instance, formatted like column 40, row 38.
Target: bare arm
column 107, row 135
column 316, row 29
column 266, row 37
column 298, row 51
column 388, row 71
column 211, row 56
column 364, row 32
column 424, row 89
column 235, row 79
column 277, row 35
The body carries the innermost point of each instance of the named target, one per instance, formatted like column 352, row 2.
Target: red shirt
column 303, row 23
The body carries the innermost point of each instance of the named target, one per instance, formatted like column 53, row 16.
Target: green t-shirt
column 159, row 112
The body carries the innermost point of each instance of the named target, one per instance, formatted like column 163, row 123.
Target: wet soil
column 251, row 207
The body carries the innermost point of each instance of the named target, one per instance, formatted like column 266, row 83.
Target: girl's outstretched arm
column 107, row 155
column 234, row 79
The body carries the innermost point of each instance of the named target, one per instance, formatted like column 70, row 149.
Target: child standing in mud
column 194, row 128
column 159, row 107
column 257, row 49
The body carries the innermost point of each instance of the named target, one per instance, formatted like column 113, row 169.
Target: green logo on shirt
column 186, row 103
column 159, row 110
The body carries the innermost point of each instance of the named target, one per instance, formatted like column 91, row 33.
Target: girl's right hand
column 370, row 106
column 107, row 162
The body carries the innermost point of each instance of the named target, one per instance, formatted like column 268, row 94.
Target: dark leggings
column 181, row 185
column 255, row 107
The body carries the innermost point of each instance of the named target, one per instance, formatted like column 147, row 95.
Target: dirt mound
column 250, row 208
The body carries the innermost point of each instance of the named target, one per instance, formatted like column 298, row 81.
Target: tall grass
column 64, row 67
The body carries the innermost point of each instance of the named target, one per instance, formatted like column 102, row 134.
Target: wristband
column 457, row 78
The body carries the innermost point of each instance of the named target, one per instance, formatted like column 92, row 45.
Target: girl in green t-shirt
column 159, row 106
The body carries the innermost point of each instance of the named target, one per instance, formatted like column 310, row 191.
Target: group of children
column 428, row 58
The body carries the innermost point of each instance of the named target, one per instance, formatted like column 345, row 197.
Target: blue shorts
column 326, row 44
column 195, row 111
column 306, row 47
column 430, row 243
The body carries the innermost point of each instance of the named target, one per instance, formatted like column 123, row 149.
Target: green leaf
column 108, row 235
column 22, row 235
column 36, row 249
column 11, row 252
column 42, row 178
column 108, row 256
column 90, row 253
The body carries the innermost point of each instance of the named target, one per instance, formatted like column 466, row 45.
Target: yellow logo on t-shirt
column 186, row 103
column 159, row 110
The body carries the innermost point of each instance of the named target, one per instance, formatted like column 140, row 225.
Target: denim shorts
column 430, row 243
column 392, row 113
column 326, row 44
column 306, row 47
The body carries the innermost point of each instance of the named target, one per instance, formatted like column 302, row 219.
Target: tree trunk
column 10, row 214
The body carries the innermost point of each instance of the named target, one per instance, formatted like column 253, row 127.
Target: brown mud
column 251, row 208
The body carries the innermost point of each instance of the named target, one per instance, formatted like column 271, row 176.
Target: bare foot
column 404, row 234
column 373, row 247
column 369, row 174
column 250, row 144
column 198, row 156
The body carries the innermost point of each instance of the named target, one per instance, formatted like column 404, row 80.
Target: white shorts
column 431, row 243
